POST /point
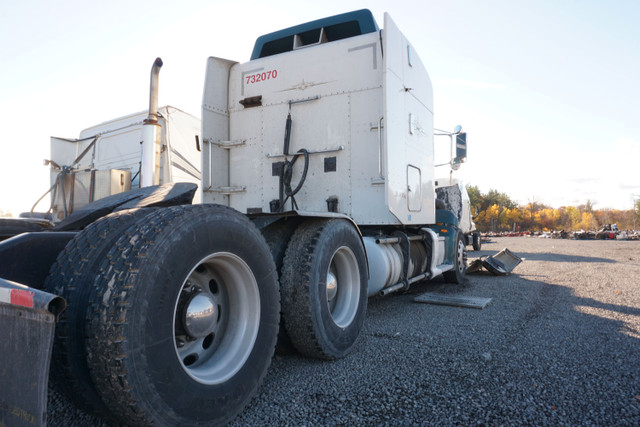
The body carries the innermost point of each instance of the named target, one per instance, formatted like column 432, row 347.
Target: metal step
column 457, row 301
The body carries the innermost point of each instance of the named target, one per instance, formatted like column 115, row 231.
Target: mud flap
column 499, row 264
column 28, row 319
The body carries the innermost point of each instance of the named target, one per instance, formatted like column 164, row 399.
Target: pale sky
column 547, row 90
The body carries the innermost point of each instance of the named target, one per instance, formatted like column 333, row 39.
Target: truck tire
column 477, row 241
column 324, row 288
column 278, row 236
column 71, row 277
column 184, row 319
column 459, row 271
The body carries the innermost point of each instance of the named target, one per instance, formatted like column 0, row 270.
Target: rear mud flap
column 500, row 264
column 28, row 319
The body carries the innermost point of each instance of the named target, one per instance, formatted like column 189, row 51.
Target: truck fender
column 164, row 195
column 27, row 257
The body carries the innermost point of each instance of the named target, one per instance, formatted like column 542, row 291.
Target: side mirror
column 455, row 163
column 461, row 148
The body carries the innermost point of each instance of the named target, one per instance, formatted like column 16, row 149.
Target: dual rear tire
column 174, row 312
column 180, row 319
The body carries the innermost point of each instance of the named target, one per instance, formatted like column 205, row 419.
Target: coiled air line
column 287, row 169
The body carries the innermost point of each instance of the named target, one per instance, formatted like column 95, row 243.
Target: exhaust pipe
column 150, row 168
column 153, row 92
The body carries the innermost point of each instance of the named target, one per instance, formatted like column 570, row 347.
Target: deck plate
column 457, row 301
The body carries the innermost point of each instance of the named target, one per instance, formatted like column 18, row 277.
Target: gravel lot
column 558, row 344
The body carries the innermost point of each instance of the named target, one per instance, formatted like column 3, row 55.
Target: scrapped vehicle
column 608, row 232
column 317, row 192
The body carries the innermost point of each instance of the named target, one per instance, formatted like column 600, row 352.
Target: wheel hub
column 200, row 316
column 332, row 286
column 216, row 318
column 343, row 286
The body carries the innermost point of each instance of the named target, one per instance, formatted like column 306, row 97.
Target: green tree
column 490, row 210
column 475, row 198
column 494, row 197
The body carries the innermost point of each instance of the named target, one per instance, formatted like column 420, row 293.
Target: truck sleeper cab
column 364, row 119
column 331, row 122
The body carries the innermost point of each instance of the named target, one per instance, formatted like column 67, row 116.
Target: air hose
column 287, row 170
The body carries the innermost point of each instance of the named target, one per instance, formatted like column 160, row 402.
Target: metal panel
column 319, row 86
column 408, row 107
column 367, row 143
column 180, row 134
column 456, row 301
column 119, row 149
column 499, row 264
column 343, row 66
column 215, row 129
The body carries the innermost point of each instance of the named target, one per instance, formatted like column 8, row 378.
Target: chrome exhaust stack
column 150, row 168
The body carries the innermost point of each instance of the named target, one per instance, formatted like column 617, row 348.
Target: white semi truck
column 317, row 192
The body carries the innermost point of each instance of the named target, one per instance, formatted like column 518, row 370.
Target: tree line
column 496, row 211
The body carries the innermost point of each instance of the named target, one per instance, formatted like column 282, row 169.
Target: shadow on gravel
column 622, row 309
column 563, row 258
column 535, row 256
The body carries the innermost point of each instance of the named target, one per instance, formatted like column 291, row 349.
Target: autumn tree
column 514, row 218
column 588, row 221
column 495, row 211
column 570, row 218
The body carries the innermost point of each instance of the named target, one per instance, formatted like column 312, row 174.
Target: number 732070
column 261, row 77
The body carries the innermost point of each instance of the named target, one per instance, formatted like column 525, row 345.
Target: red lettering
column 261, row 77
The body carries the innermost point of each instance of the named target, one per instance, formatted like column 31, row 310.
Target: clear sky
column 547, row 90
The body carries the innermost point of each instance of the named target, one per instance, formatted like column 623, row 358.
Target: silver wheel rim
column 216, row 318
column 462, row 256
column 343, row 286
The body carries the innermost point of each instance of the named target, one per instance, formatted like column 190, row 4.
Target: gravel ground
column 558, row 345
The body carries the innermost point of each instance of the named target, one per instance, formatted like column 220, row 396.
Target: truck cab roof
column 323, row 30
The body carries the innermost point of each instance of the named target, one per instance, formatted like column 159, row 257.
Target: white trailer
column 318, row 192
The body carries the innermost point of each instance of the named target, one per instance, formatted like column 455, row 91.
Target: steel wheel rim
column 462, row 256
column 344, row 299
column 216, row 318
